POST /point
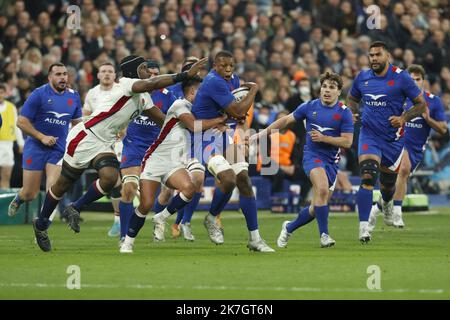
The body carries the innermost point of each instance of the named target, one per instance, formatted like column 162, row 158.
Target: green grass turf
column 414, row 262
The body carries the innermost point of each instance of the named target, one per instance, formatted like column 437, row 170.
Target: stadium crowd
column 283, row 46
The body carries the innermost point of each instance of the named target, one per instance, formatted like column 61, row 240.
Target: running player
column 90, row 143
column 214, row 97
column 45, row 118
column 382, row 89
column 106, row 76
column 140, row 135
column 417, row 131
column 330, row 127
column 9, row 133
column 163, row 164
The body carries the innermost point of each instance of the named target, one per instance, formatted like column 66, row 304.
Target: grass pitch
column 414, row 262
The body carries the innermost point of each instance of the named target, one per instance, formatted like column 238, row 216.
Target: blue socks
column 190, row 207
column 50, row 204
column 136, row 222
column 322, row 218
column 219, row 201
column 93, row 193
column 157, row 207
column 180, row 216
column 364, row 202
column 398, row 203
column 303, row 218
column 126, row 211
column 177, row 202
column 248, row 206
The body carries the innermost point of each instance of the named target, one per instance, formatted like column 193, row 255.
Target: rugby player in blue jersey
column 330, row 127
column 382, row 90
column 45, row 118
column 224, row 159
column 141, row 133
column 417, row 131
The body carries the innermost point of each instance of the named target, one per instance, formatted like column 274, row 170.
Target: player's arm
column 156, row 115
column 166, row 80
column 419, row 107
column 26, row 126
column 436, row 121
column 74, row 122
column 280, row 124
column 353, row 104
column 194, row 125
column 239, row 109
column 344, row 141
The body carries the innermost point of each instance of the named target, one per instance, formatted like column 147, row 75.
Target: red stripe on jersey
column 105, row 114
column 164, row 132
column 74, row 142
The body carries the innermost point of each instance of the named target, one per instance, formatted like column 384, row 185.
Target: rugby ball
column 240, row 93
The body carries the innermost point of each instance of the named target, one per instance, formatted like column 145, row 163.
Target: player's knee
column 369, row 170
column 146, row 203
column 322, row 192
column 129, row 191
column 108, row 179
column 188, row 189
column 228, row 182
column 244, row 184
column 404, row 171
column 28, row 195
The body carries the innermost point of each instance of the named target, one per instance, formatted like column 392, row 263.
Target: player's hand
column 316, row 136
column 49, row 141
column 220, row 128
column 196, row 67
column 397, row 122
column 250, row 85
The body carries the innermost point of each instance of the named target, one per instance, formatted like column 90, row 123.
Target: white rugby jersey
column 96, row 95
column 172, row 142
column 115, row 110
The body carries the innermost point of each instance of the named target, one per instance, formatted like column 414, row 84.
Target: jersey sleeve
column 221, row 94
column 32, row 105
column 409, row 87
column 179, row 108
column 300, row 113
column 438, row 113
column 354, row 90
column 148, row 101
column 78, row 111
column 347, row 122
column 127, row 84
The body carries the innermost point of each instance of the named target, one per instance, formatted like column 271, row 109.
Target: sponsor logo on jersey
column 411, row 123
column 144, row 121
column 58, row 116
column 321, row 129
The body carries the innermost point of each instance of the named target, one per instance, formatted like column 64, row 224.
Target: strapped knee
column 218, row 164
column 130, row 178
column 372, row 168
column 388, row 180
column 107, row 161
column 70, row 174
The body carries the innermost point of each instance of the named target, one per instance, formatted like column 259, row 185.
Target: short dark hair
column 2, row 86
column 56, row 64
column 416, row 68
column 378, row 44
column 223, row 54
column 332, row 77
column 187, row 84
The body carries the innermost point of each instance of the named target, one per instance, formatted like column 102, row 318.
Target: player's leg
column 400, row 189
column 52, row 172
column 54, row 194
column 130, row 185
column 197, row 173
column 31, row 183
column 388, row 180
column 107, row 168
column 115, row 195
column 148, row 190
column 178, row 180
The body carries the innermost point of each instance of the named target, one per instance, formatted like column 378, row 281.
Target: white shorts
column 159, row 169
column 83, row 146
column 6, row 154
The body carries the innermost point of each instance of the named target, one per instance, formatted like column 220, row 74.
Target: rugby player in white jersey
column 165, row 163
column 90, row 143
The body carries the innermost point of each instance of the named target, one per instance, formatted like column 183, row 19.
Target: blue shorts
column 312, row 161
column 390, row 152
column 36, row 155
column 204, row 145
column 132, row 155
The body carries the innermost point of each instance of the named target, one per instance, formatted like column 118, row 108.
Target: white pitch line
column 224, row 288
